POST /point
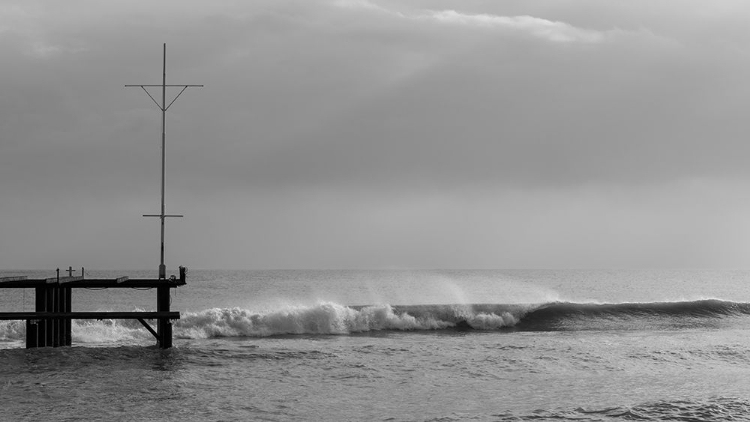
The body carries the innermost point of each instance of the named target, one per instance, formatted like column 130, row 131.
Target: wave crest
column 325, row 318
column 332, row 319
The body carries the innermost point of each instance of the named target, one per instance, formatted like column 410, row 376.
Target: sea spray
column 333, row 318
column 324, row 318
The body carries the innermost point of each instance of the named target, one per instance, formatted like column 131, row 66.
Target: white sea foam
column 12, row 330
column 333, row 318
column 86, row 331
column 322, row 318
column 485, row 321
column 109, row 331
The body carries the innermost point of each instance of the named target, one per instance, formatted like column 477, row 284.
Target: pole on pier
column 163, row 107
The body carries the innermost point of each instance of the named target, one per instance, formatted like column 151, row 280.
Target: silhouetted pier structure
column 50, row 324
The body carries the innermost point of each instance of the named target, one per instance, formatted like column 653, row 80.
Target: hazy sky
column 377, row 134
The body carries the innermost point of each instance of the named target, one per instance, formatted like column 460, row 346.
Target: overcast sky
column 377, row 134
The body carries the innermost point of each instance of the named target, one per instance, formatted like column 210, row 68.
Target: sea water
column 396, row 346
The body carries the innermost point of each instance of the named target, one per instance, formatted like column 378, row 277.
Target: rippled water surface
column 398, row 345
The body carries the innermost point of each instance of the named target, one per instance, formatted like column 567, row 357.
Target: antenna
column 163, row 107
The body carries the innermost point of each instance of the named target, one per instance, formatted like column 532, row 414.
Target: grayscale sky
column 377, row 134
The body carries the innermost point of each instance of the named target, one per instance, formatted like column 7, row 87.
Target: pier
column 50, row 324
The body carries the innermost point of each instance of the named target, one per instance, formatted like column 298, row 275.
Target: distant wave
column 696, row 308
column 572, row 316
column 333, row 318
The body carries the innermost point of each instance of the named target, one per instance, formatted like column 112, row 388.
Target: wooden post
column 49, row 307
column 41, row 301
column 59, row 322
column 68, row 308
column 164, row 325
column 54, row 292
column 31, row 333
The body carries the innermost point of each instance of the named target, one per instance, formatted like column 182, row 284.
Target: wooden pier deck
column 91, row 283
column 50, row 324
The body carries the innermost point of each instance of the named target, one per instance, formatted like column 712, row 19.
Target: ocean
column 396, row 345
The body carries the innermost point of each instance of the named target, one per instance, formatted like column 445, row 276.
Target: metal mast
column 163, row 107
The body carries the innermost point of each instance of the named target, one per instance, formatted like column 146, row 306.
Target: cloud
column 550, row 30
column 340, row 132
column 362, row 4
column 555, row 31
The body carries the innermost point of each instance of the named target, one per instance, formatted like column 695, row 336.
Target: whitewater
column 398, row 345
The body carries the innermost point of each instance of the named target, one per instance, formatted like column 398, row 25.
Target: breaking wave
column 335, row 319
column 332, row 318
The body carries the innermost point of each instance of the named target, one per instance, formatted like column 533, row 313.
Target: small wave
column 714, row 409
